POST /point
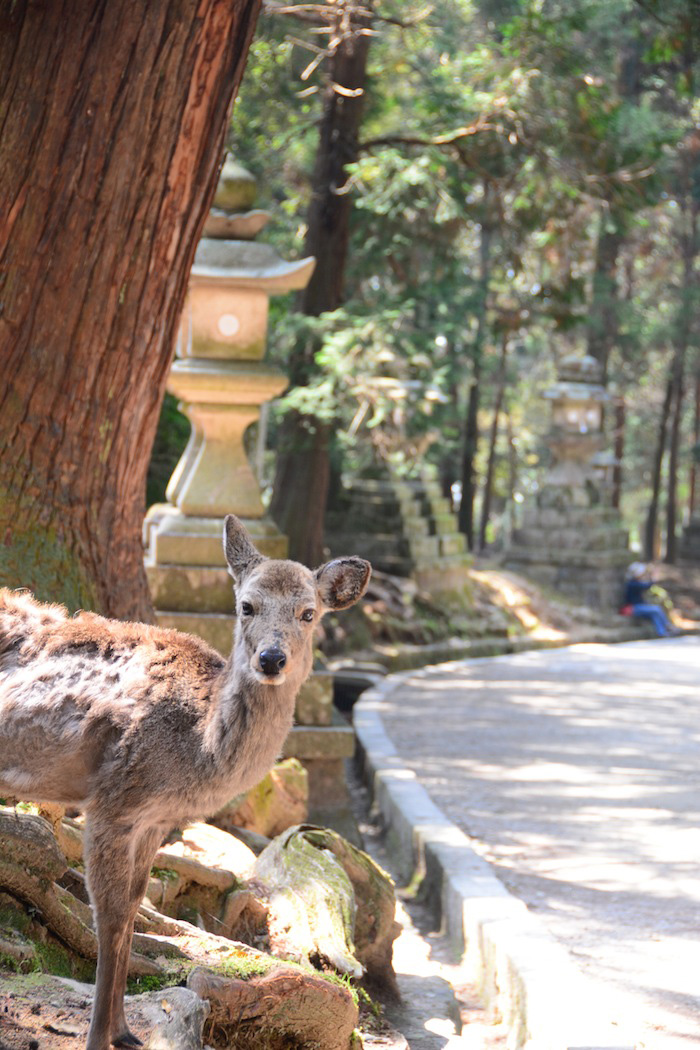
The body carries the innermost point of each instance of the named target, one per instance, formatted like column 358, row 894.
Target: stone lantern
column 575, row 437
column 222, row 383
column 572, row 540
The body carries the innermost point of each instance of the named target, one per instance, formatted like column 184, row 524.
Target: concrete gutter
column 526, row 978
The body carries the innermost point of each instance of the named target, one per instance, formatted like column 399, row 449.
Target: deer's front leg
column 109, row 870
column 143, row 853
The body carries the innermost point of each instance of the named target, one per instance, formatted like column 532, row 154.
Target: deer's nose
column 272, row 660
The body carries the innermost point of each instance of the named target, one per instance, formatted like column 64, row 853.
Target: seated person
column 638, row 581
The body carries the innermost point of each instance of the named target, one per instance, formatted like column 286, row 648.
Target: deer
column 143, row 728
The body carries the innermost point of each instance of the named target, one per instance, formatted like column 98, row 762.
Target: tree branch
column 439, row 140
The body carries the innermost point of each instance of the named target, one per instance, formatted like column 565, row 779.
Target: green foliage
column 503, row 141
column 148, row 983
column 171, row 438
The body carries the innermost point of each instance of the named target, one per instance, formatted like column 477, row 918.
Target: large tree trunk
column 602, row 322
column 471, row 424
column 300, row 494
column 114, row 117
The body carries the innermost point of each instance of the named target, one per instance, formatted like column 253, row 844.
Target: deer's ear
column 343, row 581
column 241, row 555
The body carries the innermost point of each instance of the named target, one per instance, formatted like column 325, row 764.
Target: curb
column 526, row 978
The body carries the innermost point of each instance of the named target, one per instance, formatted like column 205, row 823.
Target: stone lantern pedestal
column 572, row 540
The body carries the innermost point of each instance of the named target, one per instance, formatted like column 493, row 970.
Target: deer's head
column 279, row 603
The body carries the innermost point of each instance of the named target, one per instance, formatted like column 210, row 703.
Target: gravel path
column 577, row 774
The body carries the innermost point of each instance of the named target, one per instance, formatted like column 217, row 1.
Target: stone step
column 378, row 507
column 321, row 742
column 576, row 517
column 424, row 547
column 447, row 577
column 354, row 521
column 444, row 524
column 432, row 489
column 437, row 507
column 615, row 559
column 416, row 525
column 373, row 545
column 456, row 543
column 596, row 539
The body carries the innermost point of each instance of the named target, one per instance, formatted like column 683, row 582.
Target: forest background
column 488, row 187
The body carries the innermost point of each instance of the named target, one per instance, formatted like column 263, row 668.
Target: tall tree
column 471, row 423
column 113, row 124
column 302, row 477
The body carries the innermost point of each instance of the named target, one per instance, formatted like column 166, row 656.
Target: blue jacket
column 634, row 591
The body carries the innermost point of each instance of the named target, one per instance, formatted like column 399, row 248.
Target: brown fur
column 143, row 727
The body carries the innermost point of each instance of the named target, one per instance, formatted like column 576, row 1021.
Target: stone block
column 440, row 507
column 414, row 525
column 190, row 588
column 450, row 579
column 455, row 543
column 444, row 524
column 224, row 322
column 424, row 548
column 173, row 538
column 314, row 703
column 324, row 742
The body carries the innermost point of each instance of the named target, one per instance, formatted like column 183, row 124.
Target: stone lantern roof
column 247, row 264
column 227, row 253
column 579, row 379
column 580, row 369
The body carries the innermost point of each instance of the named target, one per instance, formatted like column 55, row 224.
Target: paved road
column 577, row 774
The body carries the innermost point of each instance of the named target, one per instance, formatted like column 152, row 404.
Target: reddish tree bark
column 112, row 125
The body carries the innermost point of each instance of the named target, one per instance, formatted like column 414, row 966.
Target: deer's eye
column 308, row 615
column 246, row 609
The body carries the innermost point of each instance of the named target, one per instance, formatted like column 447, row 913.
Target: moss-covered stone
column 310, row 900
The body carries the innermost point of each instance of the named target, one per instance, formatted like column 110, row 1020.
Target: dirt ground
column 43, row 1015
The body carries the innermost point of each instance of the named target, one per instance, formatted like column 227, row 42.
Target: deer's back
column 74, row 690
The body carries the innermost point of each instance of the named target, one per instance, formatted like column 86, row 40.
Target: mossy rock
column 311, row 903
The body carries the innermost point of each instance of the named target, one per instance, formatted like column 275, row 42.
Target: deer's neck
column 249, row 721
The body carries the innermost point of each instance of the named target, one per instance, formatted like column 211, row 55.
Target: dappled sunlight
column 510, row 593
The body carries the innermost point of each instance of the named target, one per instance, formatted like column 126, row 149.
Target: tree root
column 30, row 863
